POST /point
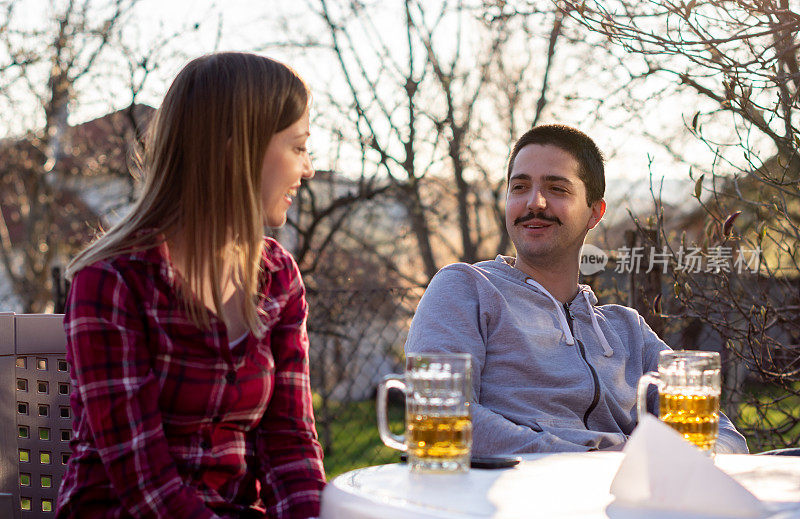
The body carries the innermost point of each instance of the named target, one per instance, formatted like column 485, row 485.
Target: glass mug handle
column 390, row 439
column 651, row 377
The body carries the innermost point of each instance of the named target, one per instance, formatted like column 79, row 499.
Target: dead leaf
column 727, row 227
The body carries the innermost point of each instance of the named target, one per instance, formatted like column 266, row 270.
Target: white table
column 542, row 486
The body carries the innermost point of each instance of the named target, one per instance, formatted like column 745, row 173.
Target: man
column 552, row 372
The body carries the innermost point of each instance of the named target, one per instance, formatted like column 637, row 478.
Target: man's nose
column 537, row 200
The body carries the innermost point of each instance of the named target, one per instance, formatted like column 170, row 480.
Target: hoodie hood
column 504, row 265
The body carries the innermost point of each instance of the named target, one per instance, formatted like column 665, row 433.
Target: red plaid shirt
column 169, row 421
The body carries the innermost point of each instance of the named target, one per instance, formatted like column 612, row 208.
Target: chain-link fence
column 357, row 338
column 750, row 316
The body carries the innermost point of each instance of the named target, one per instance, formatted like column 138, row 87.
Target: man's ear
column 598, row 210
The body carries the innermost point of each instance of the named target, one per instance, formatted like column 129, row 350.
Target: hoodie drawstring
column 607, row 351
column 562, row 319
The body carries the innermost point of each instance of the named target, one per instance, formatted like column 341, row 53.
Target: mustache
column 537, row 216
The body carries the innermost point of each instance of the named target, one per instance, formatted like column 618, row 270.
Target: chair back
column 790, row 451
column 36, row 421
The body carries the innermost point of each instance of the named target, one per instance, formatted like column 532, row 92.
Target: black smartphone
column 493, row 462
column 484, row 462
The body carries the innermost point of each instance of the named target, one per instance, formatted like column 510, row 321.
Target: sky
column 224, row 24
column 243, row 24
column 631, row 156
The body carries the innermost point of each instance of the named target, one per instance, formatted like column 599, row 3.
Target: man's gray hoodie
column 544, row 380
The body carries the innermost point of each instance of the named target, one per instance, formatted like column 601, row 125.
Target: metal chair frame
column 791, row 451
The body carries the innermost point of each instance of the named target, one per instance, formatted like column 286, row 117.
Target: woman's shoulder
column 140, row 263
column 276, row 257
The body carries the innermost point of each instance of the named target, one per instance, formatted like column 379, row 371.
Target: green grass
column 770, row 416
column 351, row 438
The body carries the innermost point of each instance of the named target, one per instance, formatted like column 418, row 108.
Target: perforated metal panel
column 9, row 478
column 43, row 421
column 44, row 428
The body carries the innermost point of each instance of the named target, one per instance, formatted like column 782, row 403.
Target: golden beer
column 689, row 385
column 695, row 415
column 438, row 432
column 437, row 437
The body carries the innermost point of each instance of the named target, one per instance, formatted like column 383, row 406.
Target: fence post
column 60, row 289
column 652, row 286
column 630, row 243
column 642, row 297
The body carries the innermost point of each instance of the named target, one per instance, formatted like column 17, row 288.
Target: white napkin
column 663, row 471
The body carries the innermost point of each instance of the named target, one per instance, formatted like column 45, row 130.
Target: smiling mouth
column 291, row 194
column 536, row 225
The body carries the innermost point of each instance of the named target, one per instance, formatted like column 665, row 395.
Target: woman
column 186, row 328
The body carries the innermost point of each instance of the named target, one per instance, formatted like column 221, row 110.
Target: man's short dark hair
column 576, row 143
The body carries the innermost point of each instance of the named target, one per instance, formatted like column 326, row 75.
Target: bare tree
column 737, row 61
column 47, row 65
column 76, row 54
column 412, row 107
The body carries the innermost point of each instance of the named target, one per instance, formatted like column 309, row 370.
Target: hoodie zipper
column 596, row 397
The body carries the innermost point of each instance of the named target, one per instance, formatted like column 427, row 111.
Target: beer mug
column 438, row 432
column 689, row 387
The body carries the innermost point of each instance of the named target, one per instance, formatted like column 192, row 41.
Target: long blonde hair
column 202, row 169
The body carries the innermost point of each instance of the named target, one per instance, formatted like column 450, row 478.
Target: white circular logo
column 593, row 259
